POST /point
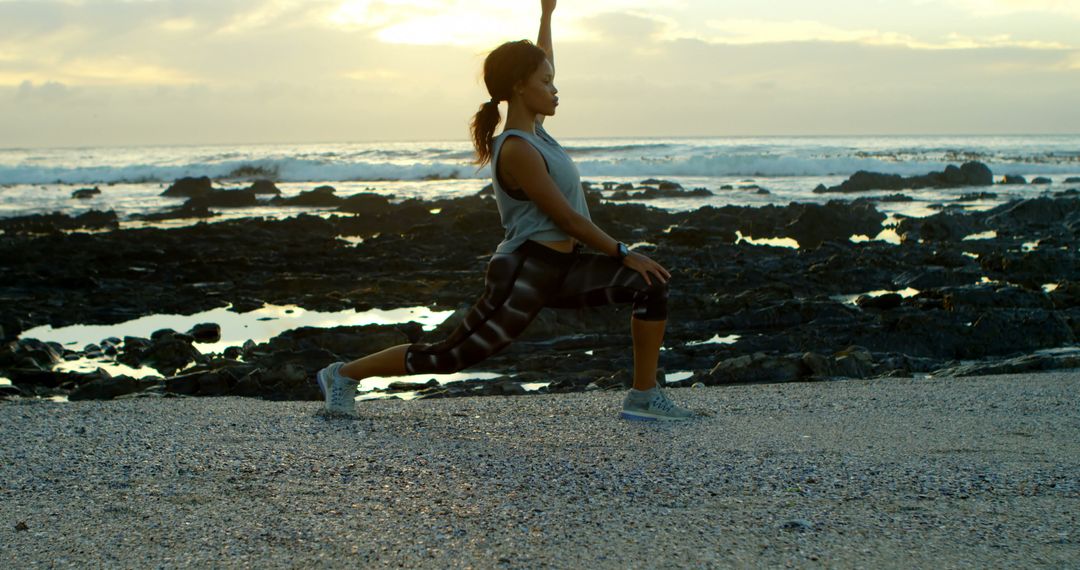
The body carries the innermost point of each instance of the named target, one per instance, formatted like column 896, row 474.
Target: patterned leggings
column 519, row 285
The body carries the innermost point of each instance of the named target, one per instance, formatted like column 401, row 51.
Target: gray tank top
column 521, row 218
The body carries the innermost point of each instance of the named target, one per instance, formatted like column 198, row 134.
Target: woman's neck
column 520, row 118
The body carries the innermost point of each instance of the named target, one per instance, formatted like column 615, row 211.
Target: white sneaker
column 339, row 391
column 652, row 405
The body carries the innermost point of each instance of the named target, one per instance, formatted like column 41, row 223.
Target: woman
column 539, row 262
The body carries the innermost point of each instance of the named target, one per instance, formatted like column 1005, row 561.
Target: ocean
column 789, row 168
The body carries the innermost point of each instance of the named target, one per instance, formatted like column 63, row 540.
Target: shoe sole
column 645, row 417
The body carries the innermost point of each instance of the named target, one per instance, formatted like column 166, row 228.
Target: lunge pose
column 541, row 260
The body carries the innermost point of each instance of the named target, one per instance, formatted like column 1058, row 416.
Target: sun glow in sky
column 94, row 72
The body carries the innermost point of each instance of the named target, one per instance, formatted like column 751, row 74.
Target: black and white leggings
column 519, row 285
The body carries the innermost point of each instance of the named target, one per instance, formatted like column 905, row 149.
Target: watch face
column 623, row 250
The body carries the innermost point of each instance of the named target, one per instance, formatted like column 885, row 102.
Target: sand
column 932, row 473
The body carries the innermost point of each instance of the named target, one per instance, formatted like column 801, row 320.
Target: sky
column 152, row 72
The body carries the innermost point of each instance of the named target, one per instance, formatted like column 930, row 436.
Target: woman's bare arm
column 525, row 164
column 543, row 39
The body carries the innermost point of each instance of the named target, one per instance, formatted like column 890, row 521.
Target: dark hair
column 503, row 68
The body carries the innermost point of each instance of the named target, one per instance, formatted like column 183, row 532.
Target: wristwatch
column 622, row 251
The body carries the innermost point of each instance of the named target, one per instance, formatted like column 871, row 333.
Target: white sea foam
column 707, row 157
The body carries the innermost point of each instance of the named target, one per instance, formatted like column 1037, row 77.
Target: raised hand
column 547, row 6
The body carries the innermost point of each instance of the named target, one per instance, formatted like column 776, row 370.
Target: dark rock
column 1041, row 180
column 977, row 174
column 893, row 198
column 1072, row 180
column 943, row 226
column 320, row 197
column 975, row 196
column 834, row 221
column 884, row 302
column 169, row 353
column 757, row 367
column 968, row 174
column 1066, row 295
column 223, row 199
column 205, row 332
column 57, row 222
column 84, row 193
column 365, row 203
column 1052, row 359
column 263, row 186
column 189, row 187
column 667, row 190
column 109, row 387
column 1013, row 179
column 192, row 208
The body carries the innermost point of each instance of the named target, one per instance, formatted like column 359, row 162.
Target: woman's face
column 537, row 93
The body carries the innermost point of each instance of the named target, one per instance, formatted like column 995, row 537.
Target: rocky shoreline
column 962, row 293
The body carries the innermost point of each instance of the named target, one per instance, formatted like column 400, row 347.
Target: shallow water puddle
column 887, row 235
column 981, row 235
column 775, row 242
column 851, row 299
column 259, row 325
column 716, row 339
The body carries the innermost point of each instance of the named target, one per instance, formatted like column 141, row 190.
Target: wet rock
column 343, row 343
column 263, row 186
column 107, row 387
column 977, row 174
column 852, row 362
column 8, row 391
column 192, row 208
column 880, row 302
column 1072, row 180
column 57, row 222
column 892, row 198
column 968, row 174
column 650, row 193
column 167, row 353
column 320, row 197
column 189, row 187
column 205, row 332
column 993, row 296
column 1032, row 217
column 976, row 196
column 365, row 203
column 1052, row 359
column 943, row 226
column 1041, row 180
column 757, row 367
column 1066, row 295
column 1013, row 179
column 834, row 221
column 223, row 199
column 85, row 193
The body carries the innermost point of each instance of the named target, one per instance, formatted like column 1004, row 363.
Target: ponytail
column 483, row 129
column 504, row 68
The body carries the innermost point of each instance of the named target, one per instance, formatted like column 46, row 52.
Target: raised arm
column 543, row 39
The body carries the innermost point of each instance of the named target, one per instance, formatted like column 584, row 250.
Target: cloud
column 746, row 32
column 50, row 91
column 996, row 8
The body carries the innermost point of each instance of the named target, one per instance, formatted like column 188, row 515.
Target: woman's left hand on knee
column 648, row 268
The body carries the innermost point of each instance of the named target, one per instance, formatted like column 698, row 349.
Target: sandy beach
column 932, row 473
